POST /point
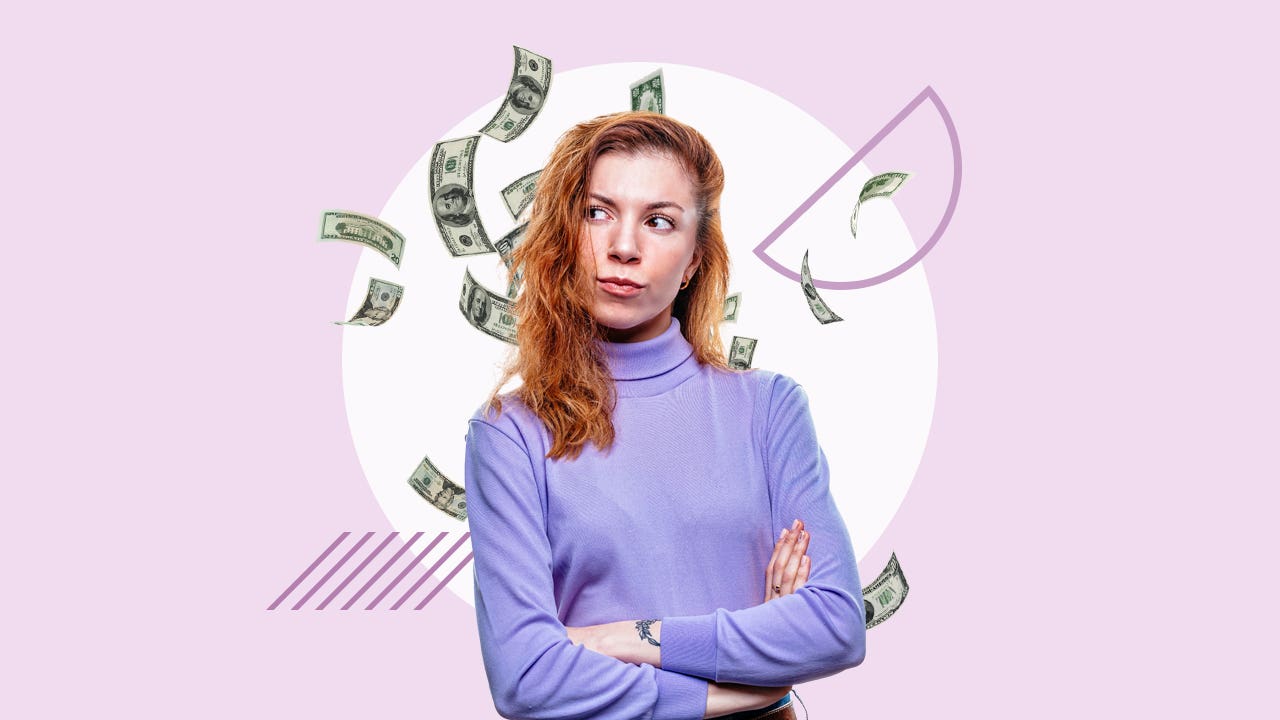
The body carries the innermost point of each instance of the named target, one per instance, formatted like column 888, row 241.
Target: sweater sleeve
column 819, row 629
column 534, row 670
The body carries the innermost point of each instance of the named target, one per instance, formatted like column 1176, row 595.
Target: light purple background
column 1090, row 529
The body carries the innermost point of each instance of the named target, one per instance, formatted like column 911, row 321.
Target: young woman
column 624, row 500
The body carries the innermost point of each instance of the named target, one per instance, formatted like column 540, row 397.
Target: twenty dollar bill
column 439, row 490
column 365, row 230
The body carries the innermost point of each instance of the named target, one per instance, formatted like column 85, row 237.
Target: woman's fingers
column 792, row 568
column 776, row 563
column 783, row 556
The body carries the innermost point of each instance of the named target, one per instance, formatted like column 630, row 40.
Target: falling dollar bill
column 731, row 305
column 506, row 244
column 816, row 304
column 883, row 185
column 379, row 304
column 882, row 598
column 741, row 350
column 647, row 93
column 357, row 228
column 530, row 82
column 519, row 194
column 487, row 311
column 439, row 490
column 452, row 200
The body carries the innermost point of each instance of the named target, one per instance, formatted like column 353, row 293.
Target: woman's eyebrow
column 650, row 206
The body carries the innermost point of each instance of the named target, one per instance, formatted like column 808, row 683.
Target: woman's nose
column 622, row 243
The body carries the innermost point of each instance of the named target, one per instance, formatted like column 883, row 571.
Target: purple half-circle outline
column 957, row 171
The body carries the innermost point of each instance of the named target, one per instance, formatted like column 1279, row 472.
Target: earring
column 686, row 284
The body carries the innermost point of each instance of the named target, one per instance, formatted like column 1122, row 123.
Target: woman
column 624, row 499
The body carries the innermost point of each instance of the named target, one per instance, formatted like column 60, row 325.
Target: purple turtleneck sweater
column 676, row 522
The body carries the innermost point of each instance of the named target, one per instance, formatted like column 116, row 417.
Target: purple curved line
column 957, row 171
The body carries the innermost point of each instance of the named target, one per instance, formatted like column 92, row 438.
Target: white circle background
column 412, row 384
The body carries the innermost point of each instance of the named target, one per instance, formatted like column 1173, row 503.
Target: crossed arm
column 528, row 652
column 629, row 640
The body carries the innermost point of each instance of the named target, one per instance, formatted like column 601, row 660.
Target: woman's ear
column 694, row 263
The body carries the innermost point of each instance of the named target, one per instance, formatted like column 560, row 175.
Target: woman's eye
column 662, row 223
column 596, row 213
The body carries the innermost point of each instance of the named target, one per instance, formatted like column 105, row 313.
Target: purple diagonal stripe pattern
column 431, row 570
column 386, row 591
column 359, row 568
column 379, row 577
column 332, row 546
column 332, row 570
column 382, row 571
column 444, row 582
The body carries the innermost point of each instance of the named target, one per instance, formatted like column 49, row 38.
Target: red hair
column 566, row 380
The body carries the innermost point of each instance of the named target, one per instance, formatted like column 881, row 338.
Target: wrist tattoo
column 643, row 627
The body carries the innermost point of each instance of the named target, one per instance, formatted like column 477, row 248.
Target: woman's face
column 641, row 226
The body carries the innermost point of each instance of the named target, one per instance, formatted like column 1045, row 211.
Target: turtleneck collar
column 653, row 366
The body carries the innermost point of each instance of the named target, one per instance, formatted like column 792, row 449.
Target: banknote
column 439, row 490
column 357, row 228
column 731, row 305
column 530, row 83
column 883, row 185
column 816, row 304
column 741, row 350
column 647, row 93
column 519, row 194
column 379, row 304
column 506, row 244
column 882, row 598
column 452, row 200
column 487, row 311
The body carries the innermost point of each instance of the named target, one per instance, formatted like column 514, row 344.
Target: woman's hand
column 789, row 567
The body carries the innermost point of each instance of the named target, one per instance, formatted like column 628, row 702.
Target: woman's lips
column 618, row 290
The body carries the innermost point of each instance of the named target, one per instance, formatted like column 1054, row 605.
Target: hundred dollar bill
column 519, row 194
column 647, row 93
column 379, row 304
column 452, row 200
column 816, row 304
column 487, row 311
column 741, row 350
column 883, row 185
column 439, row 490
column 357, row 228
column 882, row 598
column 731, row 305
column 530, row 82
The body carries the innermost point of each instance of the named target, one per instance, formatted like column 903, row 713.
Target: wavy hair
column 566, row 379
